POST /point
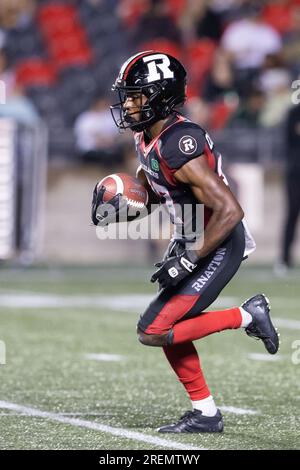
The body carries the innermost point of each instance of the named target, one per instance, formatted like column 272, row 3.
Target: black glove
column 103, row 213
column 172, row 270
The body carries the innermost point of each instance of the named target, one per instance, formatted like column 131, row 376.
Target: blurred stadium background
column 58, row 60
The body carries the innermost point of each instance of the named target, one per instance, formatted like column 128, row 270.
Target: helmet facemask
column 149, row 113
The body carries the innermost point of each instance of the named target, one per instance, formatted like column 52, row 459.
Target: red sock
column 185, row 362
column 206, row 324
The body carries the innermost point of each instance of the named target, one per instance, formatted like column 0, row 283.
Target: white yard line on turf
column 126, row 302
column 264, row 357
column 238, row 411
column 104, row 357
column 120, row 432
column 287, row 323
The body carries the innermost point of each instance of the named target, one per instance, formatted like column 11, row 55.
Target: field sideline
column 77, row 378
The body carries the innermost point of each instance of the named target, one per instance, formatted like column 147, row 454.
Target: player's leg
column 171, row 306
column 178, row 315
column 204, row 416
column 253, row 315
column 214, row 275
column 171, row 311
column 174, row 306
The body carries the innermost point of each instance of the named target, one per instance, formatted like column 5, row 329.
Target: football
column 130, row 188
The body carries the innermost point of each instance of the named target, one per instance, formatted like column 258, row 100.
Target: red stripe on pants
column 171, row 313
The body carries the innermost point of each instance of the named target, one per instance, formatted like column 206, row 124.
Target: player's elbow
column 233, row 215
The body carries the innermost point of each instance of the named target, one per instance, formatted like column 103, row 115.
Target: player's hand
column 104, row 213
column 174, row 269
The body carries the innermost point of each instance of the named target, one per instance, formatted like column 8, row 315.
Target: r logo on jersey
column 188, row 144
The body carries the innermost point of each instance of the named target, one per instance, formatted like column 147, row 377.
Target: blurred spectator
column 17, row 105
column 221, row 78
column 6, row 75
column 249, row 40
column 156, row 22
column 16, row 13
column 224, row 6
column 130, row 11
column 249, row 112
column 96, row 135
column 198, row 111
column 275, row 83
column 200, row 21
column 292, row 181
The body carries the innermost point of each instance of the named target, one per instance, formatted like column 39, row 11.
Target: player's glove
column 172, row 270
column 104, row 213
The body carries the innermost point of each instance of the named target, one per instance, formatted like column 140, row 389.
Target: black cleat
column 194, row 421
column 261, row 326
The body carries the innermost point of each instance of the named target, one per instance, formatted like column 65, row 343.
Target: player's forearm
column 219, row 227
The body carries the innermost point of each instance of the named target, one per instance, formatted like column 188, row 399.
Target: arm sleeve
column 183, row 144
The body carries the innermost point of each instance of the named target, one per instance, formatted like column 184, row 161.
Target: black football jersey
column 179, row 142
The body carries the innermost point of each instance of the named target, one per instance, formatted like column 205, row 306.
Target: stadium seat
column 62, row 24
column 220, row 114
column 54, row 12
column 199, row 59
column 65, row 37
column 105, row 28
column 191, row 91
column 23, row 43
column 278, row 16
column 176, row 7
column 162, row 45
column 68, row 57
column 35, row 71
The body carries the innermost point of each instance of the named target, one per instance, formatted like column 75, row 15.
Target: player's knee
column 151, row 340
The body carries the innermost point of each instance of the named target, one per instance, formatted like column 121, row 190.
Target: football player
column 180, row 166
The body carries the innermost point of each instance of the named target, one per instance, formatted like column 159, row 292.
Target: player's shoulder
column 183, row 125
column 182, row 141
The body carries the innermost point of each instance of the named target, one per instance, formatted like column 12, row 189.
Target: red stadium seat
column 278, row 16
column 71, row 57
column 70, row 42
column 54, row 12
column 199, row 58
column 61, row 26
column 35, row 71
column 191, row 91
column 176, row 7
column 65, row 37
column 220, row 114
column 162, row 45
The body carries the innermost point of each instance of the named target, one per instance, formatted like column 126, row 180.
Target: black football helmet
column 158, row 76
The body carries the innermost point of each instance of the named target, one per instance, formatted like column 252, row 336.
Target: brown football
column 130, row 188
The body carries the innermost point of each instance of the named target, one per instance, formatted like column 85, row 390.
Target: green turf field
column 53, row 319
